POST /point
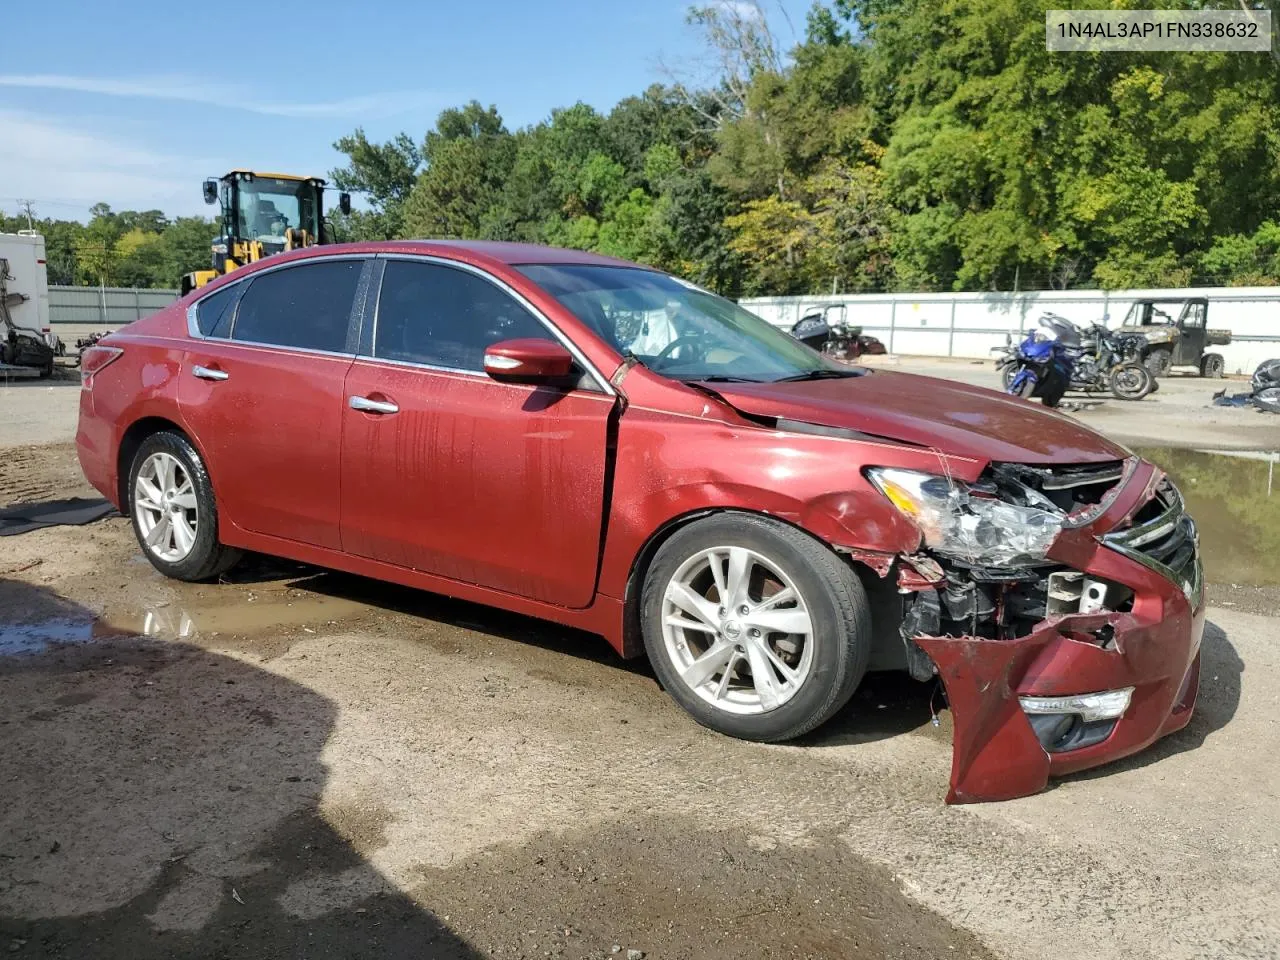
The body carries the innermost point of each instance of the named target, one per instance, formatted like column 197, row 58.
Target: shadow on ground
column 436, row 608
column 158, row 800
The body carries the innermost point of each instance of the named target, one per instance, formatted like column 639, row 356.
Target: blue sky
column 135, row 103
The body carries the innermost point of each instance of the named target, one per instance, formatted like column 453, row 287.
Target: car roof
column 505, row 251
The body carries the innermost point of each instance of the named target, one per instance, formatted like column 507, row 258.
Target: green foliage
column 384, row 174
column 902, row 145
column 128, row 249
column 1240, row 259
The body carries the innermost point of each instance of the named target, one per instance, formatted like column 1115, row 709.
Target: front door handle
column 372, row 406
column 208, row 373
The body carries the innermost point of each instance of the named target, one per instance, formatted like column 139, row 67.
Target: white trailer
column 24, row 287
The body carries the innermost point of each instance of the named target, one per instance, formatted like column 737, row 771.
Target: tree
column 1241, row 259
column 385, row 173
column 469, row 156
column 187, row 247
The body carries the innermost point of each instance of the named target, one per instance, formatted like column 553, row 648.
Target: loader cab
column 277, row 211
column 263, row 214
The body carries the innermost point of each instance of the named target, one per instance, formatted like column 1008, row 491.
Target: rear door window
column 445, row 317
column 308, row 305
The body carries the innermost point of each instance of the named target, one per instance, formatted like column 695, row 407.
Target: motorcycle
column 837, row 339
column 1112, row 361
column 1042, row 364
column 1047, row 364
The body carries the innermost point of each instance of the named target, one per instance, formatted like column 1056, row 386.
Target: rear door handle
column 372, row 406
column 208, row 373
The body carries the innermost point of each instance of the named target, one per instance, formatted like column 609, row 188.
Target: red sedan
column 606, row 446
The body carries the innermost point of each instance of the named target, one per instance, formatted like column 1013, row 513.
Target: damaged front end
column 1061, row 607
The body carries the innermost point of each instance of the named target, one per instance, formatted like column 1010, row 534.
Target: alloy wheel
column 737, row 630
column 165, row 506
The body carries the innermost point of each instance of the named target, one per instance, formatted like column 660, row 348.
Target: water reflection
column 27, row 638
column 1239, row 522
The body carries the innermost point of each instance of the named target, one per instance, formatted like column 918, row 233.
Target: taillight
column 95, row 358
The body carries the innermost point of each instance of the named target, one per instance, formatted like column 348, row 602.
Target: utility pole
column 27, row 206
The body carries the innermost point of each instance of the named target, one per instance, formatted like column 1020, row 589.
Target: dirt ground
column 295, row 763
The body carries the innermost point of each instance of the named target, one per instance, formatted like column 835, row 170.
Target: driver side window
column 443, row 316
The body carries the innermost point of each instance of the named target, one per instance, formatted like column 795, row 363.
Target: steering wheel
column 671, row 347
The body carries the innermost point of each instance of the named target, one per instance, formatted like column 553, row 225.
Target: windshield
column 677, row 329
column 269, row 206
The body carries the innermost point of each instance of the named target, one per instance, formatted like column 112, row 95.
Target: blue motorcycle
column 1043, row 363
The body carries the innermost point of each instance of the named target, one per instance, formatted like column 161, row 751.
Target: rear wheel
column 757, row 629
column 175, row 516
column 1130, row 381
column 1212, row 365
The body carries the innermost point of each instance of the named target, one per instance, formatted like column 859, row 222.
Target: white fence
column 970, row 324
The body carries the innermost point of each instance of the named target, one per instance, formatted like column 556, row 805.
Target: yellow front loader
column 262, row 214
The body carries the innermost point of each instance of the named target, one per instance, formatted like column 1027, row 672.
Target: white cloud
column 67, row 169
column 186, row 90
column 742, row 9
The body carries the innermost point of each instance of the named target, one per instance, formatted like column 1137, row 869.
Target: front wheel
column 1130, row 381
column 175, row 516
column 755, row 628
column 1212, row 365
column 1159, row 362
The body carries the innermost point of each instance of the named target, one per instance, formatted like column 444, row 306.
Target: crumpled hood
column 958, row 419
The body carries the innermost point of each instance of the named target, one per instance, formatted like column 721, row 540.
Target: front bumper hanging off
column 1082, row 689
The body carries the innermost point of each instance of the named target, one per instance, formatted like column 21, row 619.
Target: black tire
column 1028, row 388
column 1212, row 365
column 1130, row 381
column 1006, row 376
column 207, row 558
column 1159, row 362
column 832, row 592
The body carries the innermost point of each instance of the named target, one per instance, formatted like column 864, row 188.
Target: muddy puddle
column 26, row 638
column 1239, row 522
column 210, row 612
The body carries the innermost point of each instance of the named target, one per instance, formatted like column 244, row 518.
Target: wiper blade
column 722, row 378
column 820, row 374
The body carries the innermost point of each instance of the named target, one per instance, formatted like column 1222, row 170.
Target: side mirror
column 344, row 203
column 211, row 191
column 530, row 361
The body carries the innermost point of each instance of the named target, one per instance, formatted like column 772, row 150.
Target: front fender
column 672, row 466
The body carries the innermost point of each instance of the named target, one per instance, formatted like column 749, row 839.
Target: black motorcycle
column 836, row 338
column 1112, row 361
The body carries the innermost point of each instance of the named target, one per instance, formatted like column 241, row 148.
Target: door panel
column 493, row 484
column 271, row 434
column 1191, row 342
column 266, row 405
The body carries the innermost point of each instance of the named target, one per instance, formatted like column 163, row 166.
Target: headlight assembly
column 960, row 523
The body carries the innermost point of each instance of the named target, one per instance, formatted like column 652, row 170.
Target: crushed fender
column 881, row 563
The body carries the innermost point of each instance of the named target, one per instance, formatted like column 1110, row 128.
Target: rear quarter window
column 308, row 306
column 214, row 312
